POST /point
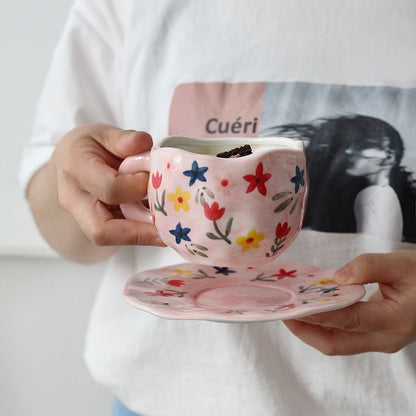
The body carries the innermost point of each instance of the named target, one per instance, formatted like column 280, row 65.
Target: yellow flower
column 180, row 272
column 180, row 199
column 324, row 300
column 322, row 282
column 252, row 239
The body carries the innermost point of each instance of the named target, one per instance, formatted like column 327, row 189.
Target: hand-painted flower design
column 156, row 179
column 196, row 173
column 252, row 240
column 176, row 282
column 328, row 289
column 180, row 199
column 283, row 307
column 257, row 180
column 223, row 270
column 160, row 293
column 282, row 230
column 298, row 179
column 201, row 193
column 320, row 286
column 284, row 273
column 156, row 182
column 322, row 282
column 180, row 233
column 180, row 272
column 213, row 212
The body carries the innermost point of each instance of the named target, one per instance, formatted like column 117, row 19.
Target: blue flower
column 223, row 270
column 180, row 233
column 196, row 173
column 328, row 289
column 298, row 179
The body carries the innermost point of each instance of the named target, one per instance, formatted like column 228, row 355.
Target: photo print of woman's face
column 369, row 162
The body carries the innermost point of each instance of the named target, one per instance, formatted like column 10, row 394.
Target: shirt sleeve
column 83, row 81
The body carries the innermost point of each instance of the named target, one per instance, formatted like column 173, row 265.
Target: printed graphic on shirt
column 216, row 109
column 360, row 144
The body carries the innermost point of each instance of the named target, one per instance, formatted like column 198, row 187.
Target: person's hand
column 385, row 323
column 90, row 189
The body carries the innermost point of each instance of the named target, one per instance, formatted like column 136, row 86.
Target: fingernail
column 157, row 241
column 126, row 144
column 131, row 135
column 342, row 275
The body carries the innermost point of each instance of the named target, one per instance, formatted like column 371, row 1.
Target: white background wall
column 44, row 301
column 28, row 34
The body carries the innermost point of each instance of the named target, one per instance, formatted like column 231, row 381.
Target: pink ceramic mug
column 241, row 211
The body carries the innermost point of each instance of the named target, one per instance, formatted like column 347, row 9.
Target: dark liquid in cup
column 236, row 152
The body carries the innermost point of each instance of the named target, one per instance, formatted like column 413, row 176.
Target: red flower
column 283, row 273
column 258, row 180
column 156, row 180
column 282, row 230
column 214, row 212
column 159, row 293
column 176, row 282
column 288, row 306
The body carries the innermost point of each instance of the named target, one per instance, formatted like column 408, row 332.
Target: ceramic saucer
column 283, row 290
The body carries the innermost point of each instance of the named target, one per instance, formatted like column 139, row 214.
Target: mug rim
column 200, row 145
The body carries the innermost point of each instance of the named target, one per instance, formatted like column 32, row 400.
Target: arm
column 75, row 196
column 386, row 323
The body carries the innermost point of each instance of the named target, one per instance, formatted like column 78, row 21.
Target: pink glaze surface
column 283, row 290
column 231, row 212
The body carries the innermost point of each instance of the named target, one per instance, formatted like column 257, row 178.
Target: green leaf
column 293, row 206
column 283, row 205
column 209, row 193
column 200, row 253
column 189, row 250
column 228, row 226
column 199, row 247
column 212, row 236
column 280, row 195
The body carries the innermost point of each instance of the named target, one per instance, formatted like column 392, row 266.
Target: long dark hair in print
column 329, row 144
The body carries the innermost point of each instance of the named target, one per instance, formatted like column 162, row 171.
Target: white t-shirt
column 198, row 68
column 377, row 205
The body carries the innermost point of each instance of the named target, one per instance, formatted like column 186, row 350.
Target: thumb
column 120, row 143
column 381, row 268
column 133, row 142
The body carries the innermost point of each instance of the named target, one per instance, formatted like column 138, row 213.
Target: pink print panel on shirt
column 216, row 109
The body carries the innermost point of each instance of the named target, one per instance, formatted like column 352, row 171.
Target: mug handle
column 136, row 211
